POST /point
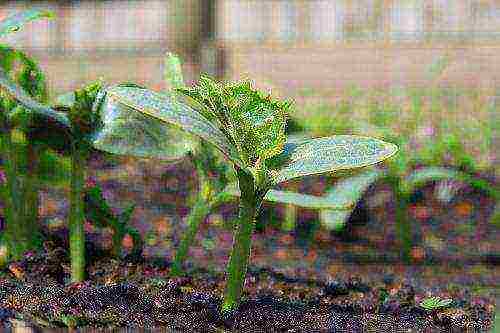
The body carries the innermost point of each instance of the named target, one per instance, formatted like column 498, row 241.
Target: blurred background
column 422, row 73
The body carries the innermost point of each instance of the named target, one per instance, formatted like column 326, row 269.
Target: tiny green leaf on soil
column 435, row 302
column 160, row 107
column 16, row 21
column 339, row 152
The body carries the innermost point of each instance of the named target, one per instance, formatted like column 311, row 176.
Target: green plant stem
column 242, row 241
column 18, row 235
column 403, row 225
column 76, row 216
column 290, row 217
column 6, row 190
column 197, row 215
column 118, row 234
column 31, row 189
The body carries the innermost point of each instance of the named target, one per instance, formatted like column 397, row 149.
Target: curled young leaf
column 14, row 22
column 163, row 109
column 252, row 121
column 340, row 152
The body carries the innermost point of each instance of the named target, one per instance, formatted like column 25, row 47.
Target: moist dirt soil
column 134, row 293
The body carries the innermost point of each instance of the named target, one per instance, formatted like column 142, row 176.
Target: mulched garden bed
column 140, row 294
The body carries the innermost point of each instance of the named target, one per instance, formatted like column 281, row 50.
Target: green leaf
column 66, row 100
column 15, row 22
column 249, row 119
column 173, row 71
column 346, row 193
column 22, row 97
column 334, row 219
column 160, row 108
column 435, row 302
column 96, row 207
column 53, row 169
column 128, row 132
column 495, row 216
column 340, row 152
column 294, row 198
column 126, row 215
column 422, row 176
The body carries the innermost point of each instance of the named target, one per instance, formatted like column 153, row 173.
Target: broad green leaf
column 22, row 97
column 128, row 132
column 15, row 22
column 346, row 193
column 340, row 152
column 161, row 108
column 294, row 198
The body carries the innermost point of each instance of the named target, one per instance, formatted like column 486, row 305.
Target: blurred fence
column 118, row 40
column 292, row 44
column 335, row 44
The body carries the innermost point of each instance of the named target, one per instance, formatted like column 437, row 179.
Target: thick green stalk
column 76, row 216
column 197, row 215
column 242, row 242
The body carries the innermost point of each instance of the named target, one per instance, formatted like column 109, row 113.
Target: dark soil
column 142, row 295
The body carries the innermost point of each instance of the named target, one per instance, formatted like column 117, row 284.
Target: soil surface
column 307, row 280
column 141, row 294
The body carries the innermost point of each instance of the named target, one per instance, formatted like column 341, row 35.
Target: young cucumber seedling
column 248, row 127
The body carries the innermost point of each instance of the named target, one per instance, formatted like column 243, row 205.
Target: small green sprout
column 434, row 303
